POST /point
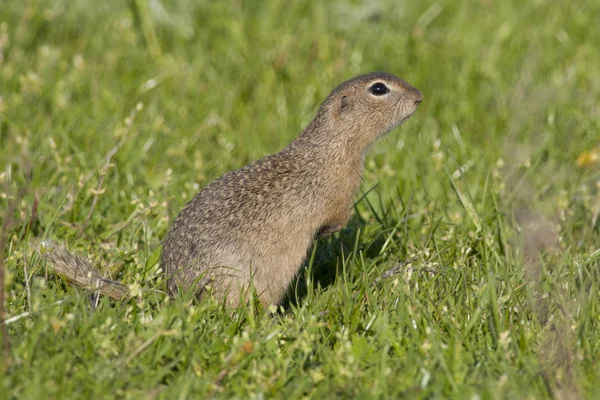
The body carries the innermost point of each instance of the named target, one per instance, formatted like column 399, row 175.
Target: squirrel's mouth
column 403, row 119
column 407, row 117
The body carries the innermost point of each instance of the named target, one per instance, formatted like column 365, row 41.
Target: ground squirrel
column 256, row 224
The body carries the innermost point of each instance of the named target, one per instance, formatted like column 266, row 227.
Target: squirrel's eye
column 379, row 89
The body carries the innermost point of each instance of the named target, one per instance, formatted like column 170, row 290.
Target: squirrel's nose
column 418, row 96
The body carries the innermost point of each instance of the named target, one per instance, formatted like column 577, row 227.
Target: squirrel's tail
column 79, row 271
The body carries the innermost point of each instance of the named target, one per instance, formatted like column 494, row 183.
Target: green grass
column 481, row 186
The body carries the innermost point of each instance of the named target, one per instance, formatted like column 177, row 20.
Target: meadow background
column 113, row 114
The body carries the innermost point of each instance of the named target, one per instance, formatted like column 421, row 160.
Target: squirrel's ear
column 344, row 106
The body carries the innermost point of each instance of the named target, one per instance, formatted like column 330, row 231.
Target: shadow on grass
column 328, row 260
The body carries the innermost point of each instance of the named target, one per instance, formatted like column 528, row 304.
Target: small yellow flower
column 589, row 158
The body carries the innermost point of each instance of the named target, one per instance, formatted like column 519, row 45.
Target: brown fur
column 257, row 223
column 80, row 271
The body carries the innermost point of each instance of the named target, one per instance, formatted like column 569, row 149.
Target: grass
column 492, row 189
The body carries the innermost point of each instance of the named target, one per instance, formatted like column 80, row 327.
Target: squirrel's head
column 369, row 106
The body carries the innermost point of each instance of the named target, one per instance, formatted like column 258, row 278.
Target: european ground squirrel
column 256, row 224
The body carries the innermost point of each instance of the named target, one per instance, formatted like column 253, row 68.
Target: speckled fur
column 257, row 223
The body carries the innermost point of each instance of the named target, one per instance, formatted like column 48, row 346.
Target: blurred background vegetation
column 114, row 114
